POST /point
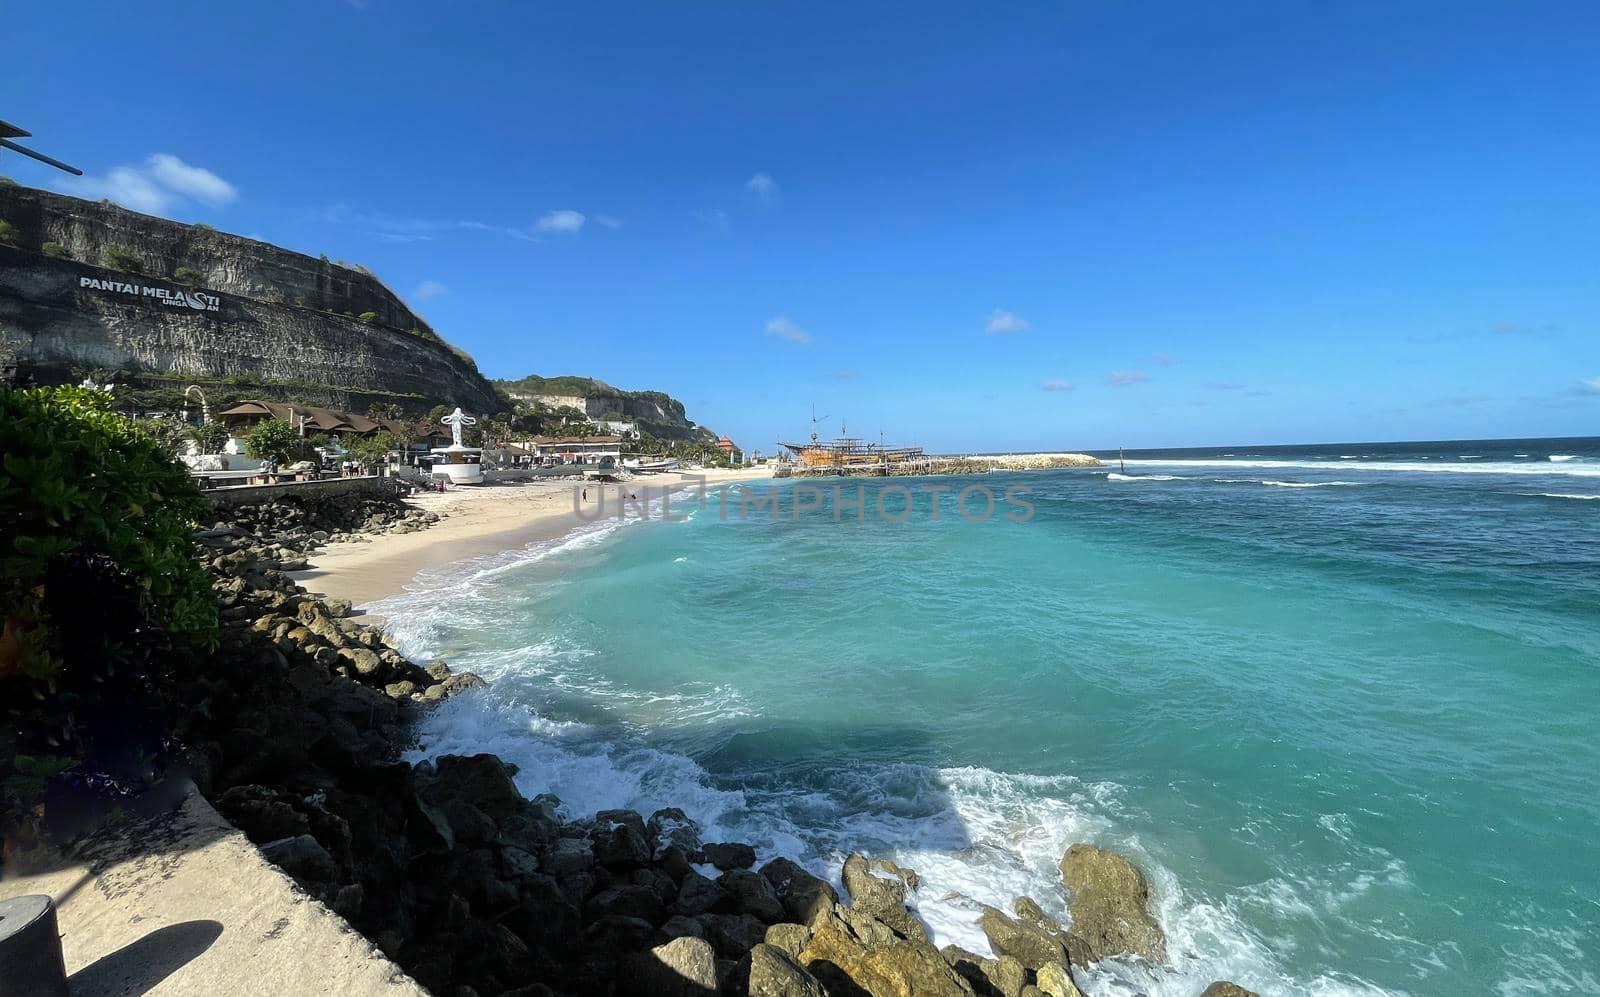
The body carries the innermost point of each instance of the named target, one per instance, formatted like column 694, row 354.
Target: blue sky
column 970, row 226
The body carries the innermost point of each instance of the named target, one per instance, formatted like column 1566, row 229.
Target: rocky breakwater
column 295, row 728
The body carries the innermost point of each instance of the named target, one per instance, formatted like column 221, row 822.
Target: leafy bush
column 121, row 258
column 275, row 439
column 371, row 449
column 244, row 377
column 210, row 437
column 202, row 227
column 169, row 434
column 8, row 182
column 80, row 480
column 368, row 317
column 8, row 233
column 98, row 589
column 188, row 275
column 55, row 250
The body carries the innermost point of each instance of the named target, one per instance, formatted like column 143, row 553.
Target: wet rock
column 775, row 972
column 729, row 855
column 482, row 780
column 791, row 938
column 901, row 968
column 1055, row 980
column 618, row 839
column 979, row 972
column 1029, row 944
column 878, row 887
column 1109, row 900
column 671, row 827
column 1222, row 988
column 804, row 897
column 753, row 894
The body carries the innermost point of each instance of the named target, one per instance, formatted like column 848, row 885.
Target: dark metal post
column 30, row 949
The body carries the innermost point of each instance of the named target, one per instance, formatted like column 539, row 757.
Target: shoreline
column 474, row 522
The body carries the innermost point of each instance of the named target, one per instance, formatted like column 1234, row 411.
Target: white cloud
column 429, row 289
column 608, row 221
column 716, row 218
column 1056, row 384
column 161, row 184
column 763, row 186
column 1003, row 322
column 1123, row 378
column 565, row 220
column 1166, row 360
column 782, row 328
column 1590, row 386
column 191, row 181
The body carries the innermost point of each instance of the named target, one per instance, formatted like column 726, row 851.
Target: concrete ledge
column 226, row 498
column 183, row 903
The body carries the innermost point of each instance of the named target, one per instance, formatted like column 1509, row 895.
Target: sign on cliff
column 168, row 296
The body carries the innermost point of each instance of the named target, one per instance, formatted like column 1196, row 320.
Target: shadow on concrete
column 140, row 965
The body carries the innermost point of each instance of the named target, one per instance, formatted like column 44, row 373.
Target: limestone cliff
column 89, row 285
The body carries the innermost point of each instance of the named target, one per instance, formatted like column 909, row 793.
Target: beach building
column 309, row 419
column 575, row 449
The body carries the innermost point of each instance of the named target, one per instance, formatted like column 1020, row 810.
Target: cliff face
column 242, row 308
column 656, row 412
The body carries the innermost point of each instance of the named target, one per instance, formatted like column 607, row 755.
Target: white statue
column 455, row 420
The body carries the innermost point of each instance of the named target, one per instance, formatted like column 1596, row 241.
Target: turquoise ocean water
column 1341, row 702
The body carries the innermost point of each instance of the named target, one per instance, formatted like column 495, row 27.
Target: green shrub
column 8, row 233
column 244, row 377
column 121, row 258
column 210, row 437
column 80, row 480
column 275, row 439
column 55, row 250
column 188, row 275
column 202, row 227
column 8, row 182
column 169, row 434
column 371, row 449
column 368, row 317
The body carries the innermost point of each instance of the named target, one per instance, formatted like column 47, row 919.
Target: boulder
column 1029, row 944
column 699, row 895
column 791, row 938
column 733, row 934
column 678, row 926
column 263, row 813
column 618, row 839
column 301, row 857
column 683, row 967
column 1109, row 900
column 1055, row 980
column 366, row 663
column 672, row 827
column 899, row 968
column 878, row 888
column 804, row 897
column 729, row 855
column 1222, row 988
column 752, row 894
column 629, row 901
column 482, row 780
column 775, row 972
column 616, row 933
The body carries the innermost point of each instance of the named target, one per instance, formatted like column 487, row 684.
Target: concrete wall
column 227, row 498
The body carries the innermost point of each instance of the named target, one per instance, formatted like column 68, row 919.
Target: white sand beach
column 474, row 522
